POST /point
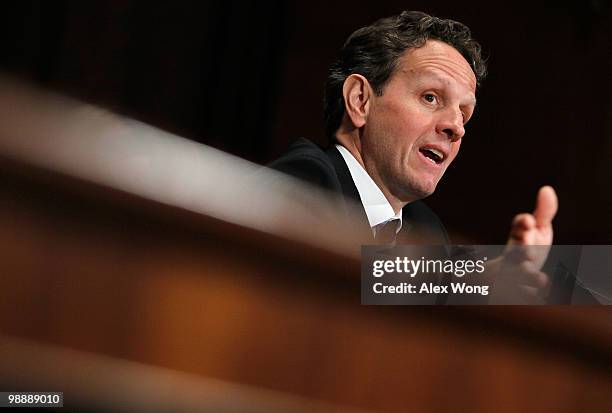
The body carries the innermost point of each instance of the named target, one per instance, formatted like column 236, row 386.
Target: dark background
column 247, row 77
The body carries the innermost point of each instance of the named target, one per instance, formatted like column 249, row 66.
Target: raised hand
column 517, row 271
column 536, row 228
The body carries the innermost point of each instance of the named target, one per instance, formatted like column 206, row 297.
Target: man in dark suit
column 396, row 103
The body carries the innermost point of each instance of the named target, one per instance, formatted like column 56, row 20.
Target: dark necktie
column 386, row 232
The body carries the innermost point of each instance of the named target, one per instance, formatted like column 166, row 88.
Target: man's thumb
column 546, row 206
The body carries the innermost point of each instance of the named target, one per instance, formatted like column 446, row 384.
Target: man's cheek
column 454, row 150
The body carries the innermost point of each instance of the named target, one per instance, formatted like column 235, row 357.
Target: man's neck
column 353, row 145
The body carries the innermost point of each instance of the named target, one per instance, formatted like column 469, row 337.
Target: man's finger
column 546, row 206
column 523, row 221
column 521, row 225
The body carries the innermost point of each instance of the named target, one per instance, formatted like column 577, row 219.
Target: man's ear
column 357, row 98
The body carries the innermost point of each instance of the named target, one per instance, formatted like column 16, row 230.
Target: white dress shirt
column 377, row 207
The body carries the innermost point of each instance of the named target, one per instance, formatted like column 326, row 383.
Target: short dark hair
column 374, row 52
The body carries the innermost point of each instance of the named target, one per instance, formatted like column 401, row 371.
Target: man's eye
column 430, row 98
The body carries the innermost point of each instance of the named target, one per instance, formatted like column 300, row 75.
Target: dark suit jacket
column 327, row 169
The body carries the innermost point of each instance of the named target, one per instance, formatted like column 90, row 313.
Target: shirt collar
column 377, row 207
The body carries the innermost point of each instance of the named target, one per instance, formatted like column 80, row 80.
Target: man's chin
column 422, row 194
column 415, row 192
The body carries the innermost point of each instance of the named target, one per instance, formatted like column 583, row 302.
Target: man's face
column 413, row 131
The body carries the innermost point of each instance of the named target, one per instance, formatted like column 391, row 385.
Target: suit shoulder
column 307, row 161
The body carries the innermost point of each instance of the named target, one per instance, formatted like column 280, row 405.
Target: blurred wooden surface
column 95, row 383
column 95, row 269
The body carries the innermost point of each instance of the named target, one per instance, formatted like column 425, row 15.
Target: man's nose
column 451, row 125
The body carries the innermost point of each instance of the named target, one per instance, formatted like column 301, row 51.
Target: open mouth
column 433, row 155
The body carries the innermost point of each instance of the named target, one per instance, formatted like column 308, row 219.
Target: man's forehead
column 432, row 76
column 438, row 61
